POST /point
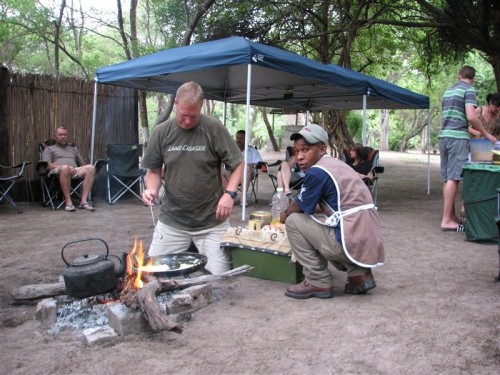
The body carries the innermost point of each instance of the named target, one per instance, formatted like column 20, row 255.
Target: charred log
column 143, row 299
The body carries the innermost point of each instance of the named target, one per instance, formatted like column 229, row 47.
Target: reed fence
column 33, row 106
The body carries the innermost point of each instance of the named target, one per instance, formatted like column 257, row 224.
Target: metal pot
column 92, row 274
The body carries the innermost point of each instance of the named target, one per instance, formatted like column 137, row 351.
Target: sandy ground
column 436, row 309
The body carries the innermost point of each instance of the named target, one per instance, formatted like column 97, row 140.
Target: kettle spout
column 120, row 270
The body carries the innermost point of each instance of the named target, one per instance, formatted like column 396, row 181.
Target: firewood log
column 144, row 300
column 28, row 293
column 172, row 284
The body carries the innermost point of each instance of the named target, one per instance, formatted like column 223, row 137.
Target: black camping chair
column 51, row 190
column 262, row 167
column 296, row 185
column 123, row 171
column 376, row 169
column 9, row 178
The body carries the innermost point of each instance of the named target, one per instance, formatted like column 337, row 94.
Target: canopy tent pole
column 94, row 117
column 247, row 126
column 224, row 115
column 363, row 131
column 428, row 152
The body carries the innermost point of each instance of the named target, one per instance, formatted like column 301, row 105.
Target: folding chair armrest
column 259, row 164
column 42, row 167
column 275, row 164
column 99, row 163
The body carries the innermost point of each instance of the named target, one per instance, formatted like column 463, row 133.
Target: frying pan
column 169, row 265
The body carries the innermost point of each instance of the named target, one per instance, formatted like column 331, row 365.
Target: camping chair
column 262, row 167
column 51, row 190
column 123, row 171
column 295, row 186
column 376, row 169
column 8, row 180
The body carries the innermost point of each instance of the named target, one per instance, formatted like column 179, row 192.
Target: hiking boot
column 305, row 290
column 360, row 284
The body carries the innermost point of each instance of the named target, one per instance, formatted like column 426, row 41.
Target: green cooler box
column 480, row 198
column 268, row 253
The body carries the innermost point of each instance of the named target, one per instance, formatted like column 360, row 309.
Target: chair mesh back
column 124, row 159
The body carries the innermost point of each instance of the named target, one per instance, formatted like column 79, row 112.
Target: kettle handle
column 86, row 239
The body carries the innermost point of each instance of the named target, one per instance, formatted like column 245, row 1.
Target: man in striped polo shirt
column 458, row 106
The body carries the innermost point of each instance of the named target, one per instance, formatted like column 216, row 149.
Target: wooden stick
column 28, row 293
column 171, row 284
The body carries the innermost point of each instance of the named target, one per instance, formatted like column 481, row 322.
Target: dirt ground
column 436, row 309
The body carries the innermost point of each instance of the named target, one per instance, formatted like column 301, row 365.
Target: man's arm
column 470, row 113
column 225, row 205
column 235, row 177
column 153, row 183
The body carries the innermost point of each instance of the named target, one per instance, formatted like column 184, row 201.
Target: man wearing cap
column 332, row 220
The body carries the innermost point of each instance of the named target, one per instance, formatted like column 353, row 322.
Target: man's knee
column 87, row 171
column 293, row 221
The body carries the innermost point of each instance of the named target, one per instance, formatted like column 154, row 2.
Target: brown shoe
column 304, row 290
column 360, row 284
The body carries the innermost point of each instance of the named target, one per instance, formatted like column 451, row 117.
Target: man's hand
column 224, row 207
column 149, row 197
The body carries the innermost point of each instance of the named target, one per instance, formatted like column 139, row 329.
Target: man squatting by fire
column 331, row 220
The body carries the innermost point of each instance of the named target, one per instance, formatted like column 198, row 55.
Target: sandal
column 459, row 228
column 86, row 206
column 69, row 208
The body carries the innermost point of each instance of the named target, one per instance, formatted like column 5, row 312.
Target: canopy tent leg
column 247, row 127
column 428, row 151
column 94, row 117
column 363, row 132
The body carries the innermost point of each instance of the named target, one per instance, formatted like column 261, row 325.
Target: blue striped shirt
column 454, row 120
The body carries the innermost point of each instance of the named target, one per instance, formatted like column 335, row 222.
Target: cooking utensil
column 91, row 274
column 169, row 265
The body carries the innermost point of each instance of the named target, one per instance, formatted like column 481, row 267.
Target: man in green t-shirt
column 191, row 148
column 458, row 106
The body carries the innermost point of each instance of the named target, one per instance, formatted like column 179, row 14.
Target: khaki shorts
column 168, row 240
column 57, row 171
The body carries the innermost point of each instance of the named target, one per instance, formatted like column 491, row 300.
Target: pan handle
column 85, row 239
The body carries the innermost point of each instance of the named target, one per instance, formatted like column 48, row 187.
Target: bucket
column 480, row 150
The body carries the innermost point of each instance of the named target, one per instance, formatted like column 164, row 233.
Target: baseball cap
column 312, row 133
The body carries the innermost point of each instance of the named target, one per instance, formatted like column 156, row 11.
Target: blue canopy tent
column 237, row 70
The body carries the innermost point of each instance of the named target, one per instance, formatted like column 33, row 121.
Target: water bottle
column 279, row 203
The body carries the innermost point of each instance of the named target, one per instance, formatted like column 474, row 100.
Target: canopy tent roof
column 279, row 79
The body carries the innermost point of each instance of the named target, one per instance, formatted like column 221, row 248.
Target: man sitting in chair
column 253, row 158
column 67, row 162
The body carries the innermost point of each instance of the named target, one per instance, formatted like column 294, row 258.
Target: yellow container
column 263, row 216
column 496, row 157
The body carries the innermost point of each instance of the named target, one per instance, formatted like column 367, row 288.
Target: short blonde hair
column 189, row 93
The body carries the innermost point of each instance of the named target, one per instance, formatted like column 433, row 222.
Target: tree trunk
column 269, row 128
column 385, row 130
column 57, row 32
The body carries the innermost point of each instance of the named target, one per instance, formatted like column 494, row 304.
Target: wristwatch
column 232, row 194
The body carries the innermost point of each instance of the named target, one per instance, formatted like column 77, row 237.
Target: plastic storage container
column 480, row 150
column 279, row 203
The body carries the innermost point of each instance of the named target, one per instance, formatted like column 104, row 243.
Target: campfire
column 140, row 288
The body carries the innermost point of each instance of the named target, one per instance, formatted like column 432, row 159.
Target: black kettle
column 92, row 274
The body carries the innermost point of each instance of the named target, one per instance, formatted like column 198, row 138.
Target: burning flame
column 136, row 258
